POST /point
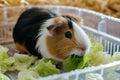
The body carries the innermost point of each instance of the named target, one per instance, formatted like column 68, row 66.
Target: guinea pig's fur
column 45, row 33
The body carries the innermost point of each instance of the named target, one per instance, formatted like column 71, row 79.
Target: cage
column 104, row 28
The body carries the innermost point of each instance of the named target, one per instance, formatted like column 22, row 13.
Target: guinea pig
column 45, row 33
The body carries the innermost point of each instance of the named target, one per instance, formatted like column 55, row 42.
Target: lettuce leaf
column 3, row 53
column 75, row 62
column 95, row 47
column 3, row 77
column 99, row 58
column 6, row 64
column 23, row 61
column 71, row 62
column 27, row 75
column 96, row 54
column 115, row 57
column 84, row 62
column 5, row 61
column 44, row 67
column 53, row 61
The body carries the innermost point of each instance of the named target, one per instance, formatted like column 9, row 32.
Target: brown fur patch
column 21, row 47
column 74, row 18
column 59, row 19
column 59, row 45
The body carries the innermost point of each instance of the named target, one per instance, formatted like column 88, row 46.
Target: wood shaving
column 108, row 7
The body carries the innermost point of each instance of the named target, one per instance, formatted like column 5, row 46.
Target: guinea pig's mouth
column 77, row 53
column 75, row 56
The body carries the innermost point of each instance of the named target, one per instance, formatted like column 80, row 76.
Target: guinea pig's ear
column 75, row 18
column 52, row 28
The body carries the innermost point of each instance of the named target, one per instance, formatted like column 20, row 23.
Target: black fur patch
column 28, row 25
column 69, row 21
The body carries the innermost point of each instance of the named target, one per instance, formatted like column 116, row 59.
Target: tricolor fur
column 43, row 33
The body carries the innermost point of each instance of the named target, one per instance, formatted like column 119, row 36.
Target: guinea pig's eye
column 68, row 34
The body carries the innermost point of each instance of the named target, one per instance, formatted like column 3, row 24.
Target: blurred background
column 108, row 7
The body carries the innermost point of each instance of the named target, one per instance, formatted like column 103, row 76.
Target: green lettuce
column 3, row 77
column 5, row 61
column 95, row 47
column 115, row 57
column 53, row 61
column 6, row 64
column 27, row 75
column 96, row 54
column 99, row 58
column 44, row 67
column 75, row 62
column 71, row 62
column 84, row 62
column 23, row 61
column 3, row 53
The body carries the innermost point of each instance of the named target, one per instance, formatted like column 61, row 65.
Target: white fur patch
column 81, row 37
column 76, row 52
column 41, row 43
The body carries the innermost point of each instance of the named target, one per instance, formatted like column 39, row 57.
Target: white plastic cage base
column 109, row 71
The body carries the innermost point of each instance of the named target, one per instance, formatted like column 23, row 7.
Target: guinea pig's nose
column 82, row 48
